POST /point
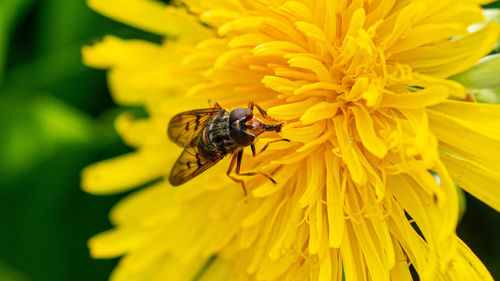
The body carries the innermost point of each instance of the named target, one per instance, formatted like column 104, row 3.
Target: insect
column 208, row 135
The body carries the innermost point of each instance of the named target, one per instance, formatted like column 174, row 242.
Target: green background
column 56, row 117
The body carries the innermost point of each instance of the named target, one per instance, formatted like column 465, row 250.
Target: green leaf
column 53, row 64
column 62, row 74
column 484, row 75
column 63, row 23
column 34, row 127
column 487, row 96
column 68, row 23
column 9, row 274
column 10, row 11
column 492, row 15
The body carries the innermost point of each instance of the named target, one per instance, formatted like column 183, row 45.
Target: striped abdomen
column 216, row 138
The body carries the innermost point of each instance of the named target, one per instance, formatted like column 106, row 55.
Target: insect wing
column 189, row 165
column 184, row 126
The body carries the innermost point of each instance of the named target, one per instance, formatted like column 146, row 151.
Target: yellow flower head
column 379, row 136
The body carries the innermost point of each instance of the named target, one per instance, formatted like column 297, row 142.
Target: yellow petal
column 451, row 57
column 146, row 206
column 126, row 172
column 141, row 132
column 352, row 257
column 398, row 24
column 112, row 51
column 481, row 117
column 248, row 40
column 364, row 125
column 480, row 181
column 349, row 154
column 163, row 268
column 435, row 214
column 401, row 271
column 217, row 17
column 153, row 16
column 132, row 87
column 325, row 273
column 471, row 160
column 291, row 110
column 319, row 111
column 139, row 68
column 323, row 75
column 315, row 182
column 467, row 266
column 198, row 6
column 217, row 271
column 335, row 191
column 116, row 242
column 427, row 34
column 423, row 98
column 277, row 48
column 454, row 88
column 370, row 247
column 410, row 241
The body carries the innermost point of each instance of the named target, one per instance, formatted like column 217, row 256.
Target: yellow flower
column 372, row 119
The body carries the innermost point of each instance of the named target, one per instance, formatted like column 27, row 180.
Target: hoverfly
column 208, row 135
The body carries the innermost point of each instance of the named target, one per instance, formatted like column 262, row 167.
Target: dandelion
column 372, row 118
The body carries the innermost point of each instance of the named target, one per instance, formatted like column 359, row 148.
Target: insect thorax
column 216, row 135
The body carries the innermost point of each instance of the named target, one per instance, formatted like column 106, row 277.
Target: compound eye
column 239, row 113
column 241, row 137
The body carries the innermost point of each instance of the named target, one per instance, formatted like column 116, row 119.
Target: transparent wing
column 184, row 126
column 190, row 164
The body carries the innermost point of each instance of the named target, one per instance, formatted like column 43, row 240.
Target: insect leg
column 235, row 158
column 250, row 105
column 217, row 105
column 262, row 112
column 252, row 146
column 239, row 173
column 265, row 146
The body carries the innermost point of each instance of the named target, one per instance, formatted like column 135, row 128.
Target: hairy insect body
column 216, row 137
column 208, row 135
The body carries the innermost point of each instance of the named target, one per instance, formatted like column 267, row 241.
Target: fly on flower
column 208, row 135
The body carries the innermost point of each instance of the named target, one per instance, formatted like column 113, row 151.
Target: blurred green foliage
column 56, row 117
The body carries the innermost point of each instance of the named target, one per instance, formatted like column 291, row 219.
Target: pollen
column 362, row 92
